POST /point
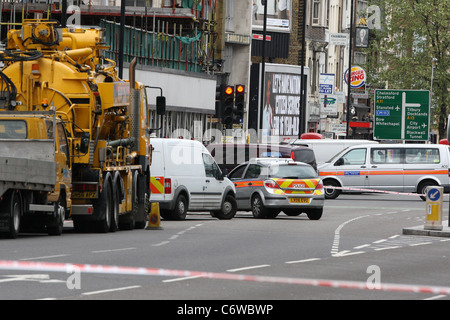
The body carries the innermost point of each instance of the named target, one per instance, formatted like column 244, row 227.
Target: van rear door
column 157, row 173
column 424, row 162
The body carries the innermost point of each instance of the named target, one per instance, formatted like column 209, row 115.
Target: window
column 63, row 145
column 316, row 12
column 355, row 157
column 211, row 168
column 422, row 155
column 13, row 129
column 253, row 171
column 292, row 172
column 386, row 156
column 237, row 173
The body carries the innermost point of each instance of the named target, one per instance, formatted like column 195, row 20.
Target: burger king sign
column 358, row 77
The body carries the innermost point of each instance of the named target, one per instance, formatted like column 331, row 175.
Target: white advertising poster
column 278, row 15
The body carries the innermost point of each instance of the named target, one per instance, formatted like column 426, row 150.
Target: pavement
column 421, row 231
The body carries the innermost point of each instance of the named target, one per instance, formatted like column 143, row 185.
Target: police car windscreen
column 292, row 172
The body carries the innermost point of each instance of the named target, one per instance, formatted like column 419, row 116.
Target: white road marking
column 248, row 268
column 109, row 290
column 45, row 257
column 181, row 279
column 113, row 250
column 305, row 260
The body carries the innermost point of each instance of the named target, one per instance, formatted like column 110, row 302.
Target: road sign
column 401, row 115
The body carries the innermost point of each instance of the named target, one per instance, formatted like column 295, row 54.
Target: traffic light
column 227, row 105
column 239, row 103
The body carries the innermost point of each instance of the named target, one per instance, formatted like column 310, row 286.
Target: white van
column 325, row 149
column 389, row 167
column 185, row 177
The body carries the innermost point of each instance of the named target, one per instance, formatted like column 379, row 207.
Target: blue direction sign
column 434, row 194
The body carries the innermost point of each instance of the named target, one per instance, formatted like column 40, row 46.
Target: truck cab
column 35, row 173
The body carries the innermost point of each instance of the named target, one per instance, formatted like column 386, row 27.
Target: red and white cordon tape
column 375, row 191
column 137, row 271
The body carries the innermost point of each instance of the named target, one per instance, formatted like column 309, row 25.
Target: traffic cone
column 154, row 222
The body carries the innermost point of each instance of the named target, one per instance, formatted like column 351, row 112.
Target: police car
column 267, row 186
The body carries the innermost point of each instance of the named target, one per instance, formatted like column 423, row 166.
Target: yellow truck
column 34, row 173
column 105, row 119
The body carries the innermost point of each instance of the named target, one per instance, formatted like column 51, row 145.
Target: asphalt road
column 357, row 242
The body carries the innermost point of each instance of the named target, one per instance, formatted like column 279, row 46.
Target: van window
column 355, row 157
column 211, row 168
column 422, row 155
column 386, row 155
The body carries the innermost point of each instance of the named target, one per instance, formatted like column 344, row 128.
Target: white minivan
column 185, row 177
column 325, row 149
column 390, row 167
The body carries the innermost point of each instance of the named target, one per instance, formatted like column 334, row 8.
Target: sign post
column 434, row 201
column 401, row 115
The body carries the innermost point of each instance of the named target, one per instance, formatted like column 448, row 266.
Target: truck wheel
column 115, row 202
column 104, row 206
column 180, row 210
column 259, row 211
column 15, row 214
column 56, row 224
column 229, row 208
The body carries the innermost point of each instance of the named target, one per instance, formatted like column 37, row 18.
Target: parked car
column 268, row 186
column 185, row 177
column 230, row 155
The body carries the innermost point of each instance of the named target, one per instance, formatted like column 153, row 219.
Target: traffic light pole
column 263, row 68
column 303, row 98
column 349, row 80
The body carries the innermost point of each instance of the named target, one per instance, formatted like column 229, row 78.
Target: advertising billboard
column 279, row 15
column 280, row 113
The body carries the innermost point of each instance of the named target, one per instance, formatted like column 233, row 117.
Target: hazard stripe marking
column 104, row 269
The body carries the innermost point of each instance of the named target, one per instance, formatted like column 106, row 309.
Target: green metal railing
column 159, row 48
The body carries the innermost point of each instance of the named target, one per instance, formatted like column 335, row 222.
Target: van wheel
column 179, row 212
column 331, row 193
column 229, row 208
column 423, row 186
column 314, row 214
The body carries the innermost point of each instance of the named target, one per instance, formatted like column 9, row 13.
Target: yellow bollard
column 154, row 222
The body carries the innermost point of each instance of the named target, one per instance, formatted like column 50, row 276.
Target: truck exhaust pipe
column 135, row 110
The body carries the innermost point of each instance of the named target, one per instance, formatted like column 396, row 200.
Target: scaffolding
column 175, row 34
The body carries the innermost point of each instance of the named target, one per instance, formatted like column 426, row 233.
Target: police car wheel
column 259, row 211
column 314, row 214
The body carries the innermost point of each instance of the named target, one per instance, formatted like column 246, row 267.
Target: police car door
column 351, row 168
